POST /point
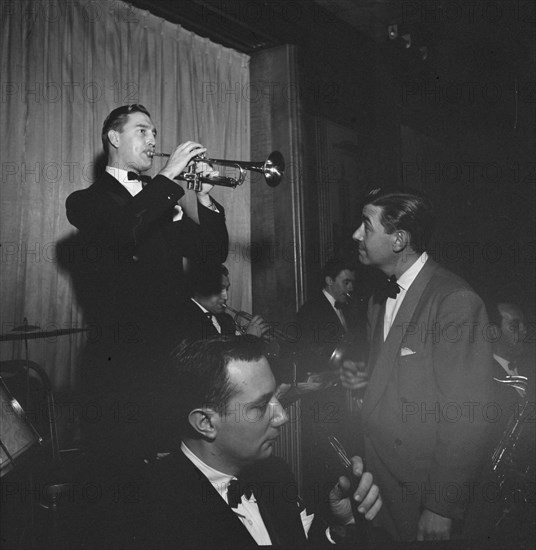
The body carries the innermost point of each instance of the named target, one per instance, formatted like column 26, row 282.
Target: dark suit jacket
column 127, row 273
column 187, row 512
column 321, row 331
column 420, row 432
column 195, row 325
column 131, row 256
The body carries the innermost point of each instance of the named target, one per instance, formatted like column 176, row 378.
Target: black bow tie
column 139, row 177
column 337, row 305
column 389, row 290
column 235, row 491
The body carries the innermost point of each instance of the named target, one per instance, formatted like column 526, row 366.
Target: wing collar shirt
column 247, row 510
column 392, row 305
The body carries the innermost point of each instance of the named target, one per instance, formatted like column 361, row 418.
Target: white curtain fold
column 65, row 66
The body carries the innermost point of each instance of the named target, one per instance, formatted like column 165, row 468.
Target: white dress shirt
column 247, row 510
column 505, row 364
column 392, row 305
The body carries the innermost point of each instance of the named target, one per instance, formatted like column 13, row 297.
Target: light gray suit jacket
column 428, row 407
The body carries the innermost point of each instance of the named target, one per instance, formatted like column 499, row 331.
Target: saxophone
column 511, row 472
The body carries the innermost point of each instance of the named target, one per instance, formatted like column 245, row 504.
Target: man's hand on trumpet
column 353, row 375
column 258, row 327
column 181, row 158
column 205, row 170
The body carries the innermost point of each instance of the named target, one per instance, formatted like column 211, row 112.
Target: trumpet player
column 139, row 227
column 132, row 237
column 203, row 314
column 327, row 321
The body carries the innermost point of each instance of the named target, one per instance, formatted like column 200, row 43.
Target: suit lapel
column 376, row 337
column 330, row 313
column 386, row 357
column 110, row 186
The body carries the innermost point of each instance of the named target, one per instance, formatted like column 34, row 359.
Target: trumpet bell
column 274, row 168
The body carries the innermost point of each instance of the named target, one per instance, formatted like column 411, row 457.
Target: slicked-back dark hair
column 205, row 279
column 117, row 119
column 196, row 376
column 334, row 266
column 409, row 210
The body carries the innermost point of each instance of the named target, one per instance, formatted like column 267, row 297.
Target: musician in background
column 508, row 333
column 203, row 314
column 327, row 322
column 506, row 514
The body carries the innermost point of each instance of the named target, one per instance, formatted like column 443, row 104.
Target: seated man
column 203, row 314
column 221, row 487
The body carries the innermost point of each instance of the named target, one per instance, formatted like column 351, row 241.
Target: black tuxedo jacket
column 129, row 265
column 321, row 331
column 187, row 512
column 194, row 324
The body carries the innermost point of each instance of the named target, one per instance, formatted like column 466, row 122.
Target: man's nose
column 223, row 294
column 279, row 415
column 151, row 140
column 358, row 233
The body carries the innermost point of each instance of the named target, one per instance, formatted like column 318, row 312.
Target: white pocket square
column 406, row 351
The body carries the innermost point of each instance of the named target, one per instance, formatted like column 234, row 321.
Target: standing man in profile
column 133, row 237
column 424, row 409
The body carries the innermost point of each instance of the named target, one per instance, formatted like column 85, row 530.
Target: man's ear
column 400, row 240
column 113, row 138
column 328, row 281
column 202, row 421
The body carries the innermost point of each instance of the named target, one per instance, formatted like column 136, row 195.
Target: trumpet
column 241, row 326
column 272, row 168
